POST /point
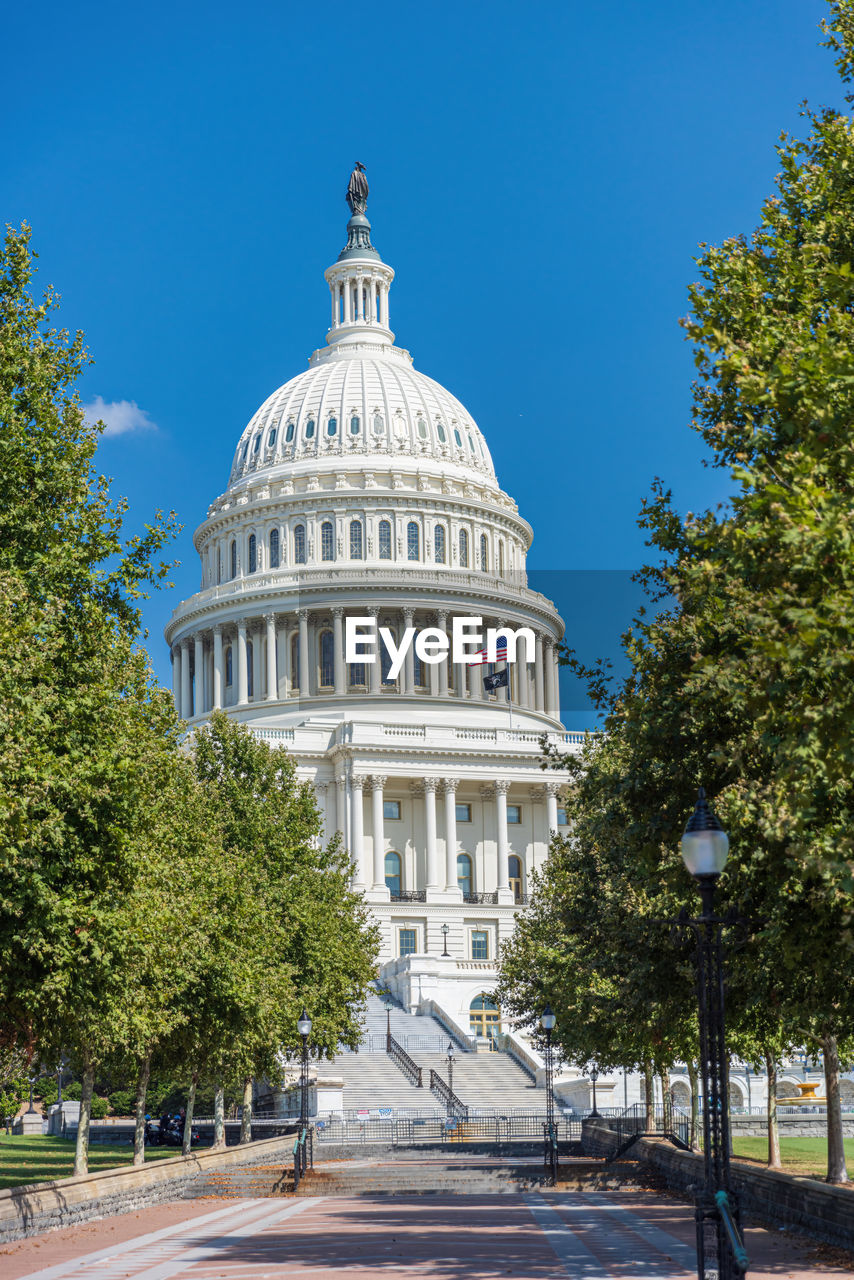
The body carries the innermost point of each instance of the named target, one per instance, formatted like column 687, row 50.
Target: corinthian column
column 242, row 665
column 217, row 668
column 357, row 825
column 451, row 836
column 378, row 829
column 272, row 679
column 186, row 687
column 198, row 674
column 503, row 878
column 538, row 675
column 430, row 785
column 338, row 651
column 303, row 654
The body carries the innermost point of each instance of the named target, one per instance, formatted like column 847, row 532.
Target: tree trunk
column 187, row 1142
column 139, row 1113
column 81, row 1154
column 836, row 1170
column 246, row 1113
column 649, row 1091
column 665, row 1101
column 694, row 1131
column 219, row 1117
column 774, row 1161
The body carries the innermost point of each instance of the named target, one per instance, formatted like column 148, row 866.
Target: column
column 442, row 624
column 538, row 675
column 360, row 298
column 186, row 688
column 548, row 676
column 430, row 785
column 216, row 699
column 375, row 668
column 451, row 833
column 334, row 291
column 552, row 789
column 556, row 680
column 338, row 647
column 320, row 790
column 242, row 668
column 501, row 789
column 176, row 677
column 341, row 807
column 347, row 291
column 303, row 654
column 272, row 676
column 357, row 841
column 373, row 299
column 378, row 828
column 409, row 660
column 198, row 674
column 383, row 305
column 476, row 673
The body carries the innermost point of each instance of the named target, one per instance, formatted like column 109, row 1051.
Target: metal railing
column 407, row 1132
column 481, row 899
column 440, row 1089
column 409, row 895
column 738, row 1260
column 303, row 1155
column 401, row 1059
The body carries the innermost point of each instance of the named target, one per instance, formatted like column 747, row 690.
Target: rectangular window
column 514, row 814
column 463, row 813
column 408, row 942
column 479, row 944
column 561, row 818
column 391, row 809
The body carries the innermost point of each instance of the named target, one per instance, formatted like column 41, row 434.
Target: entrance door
column 484, row 1017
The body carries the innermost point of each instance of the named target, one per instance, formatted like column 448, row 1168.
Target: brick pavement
column 587, row 1236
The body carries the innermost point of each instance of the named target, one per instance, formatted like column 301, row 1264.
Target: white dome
column 359, row 404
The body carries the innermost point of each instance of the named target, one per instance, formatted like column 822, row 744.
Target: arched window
column 309, row 429
column 250, row 668
column 299, row 544
column 234, row 559
column 420, row 672
column 413, row 544
column 331, row 426
column 355, row 425
column 243, row 452
column 327, row 541
column 464, row 881
column 271, row 438
column 327, row 660
column 385, row 539
column 514, row 866
column 464, row 548
column 289, row 434
column 379, row 424
column 295, row 661
column 471, row 444
column 274, row 548
column 392, row 873
column 422, row 428
column 253, row 553
column 458, row 437
column 229, row 669
column 385, row 663
column 357, row 675
column 257, row 445
column 439, row 544
column 484, row 1017
column 356, row 551
column 484, row 554
column 441, row 432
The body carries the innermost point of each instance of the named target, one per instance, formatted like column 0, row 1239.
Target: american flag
column 480, row 656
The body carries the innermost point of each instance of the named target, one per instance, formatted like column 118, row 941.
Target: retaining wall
column 771, row 1198
column 804, row 1126
column 30, row 1209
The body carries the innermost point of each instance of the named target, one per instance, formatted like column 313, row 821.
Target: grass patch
column 805, row 1156
column 38, row 1158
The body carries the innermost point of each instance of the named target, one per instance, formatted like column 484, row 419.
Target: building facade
column 362, row 488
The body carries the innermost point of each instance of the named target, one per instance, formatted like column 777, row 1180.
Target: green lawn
column 807, row 1156
column 39, row 1159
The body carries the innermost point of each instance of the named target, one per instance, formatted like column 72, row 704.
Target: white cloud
column 120, row 416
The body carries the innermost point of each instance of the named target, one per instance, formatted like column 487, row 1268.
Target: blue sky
column 540, row 179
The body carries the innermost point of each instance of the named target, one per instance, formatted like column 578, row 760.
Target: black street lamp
column 304, row 1028
column 446, row 929
column 720, row 1252
column 547, row 1022
column 60, row 1072
column 32, row 1111
column 451, row 1061
column 594, row 1076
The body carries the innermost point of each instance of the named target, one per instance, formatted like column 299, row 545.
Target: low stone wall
column 771, row 1198
column 802, row 1126
column 43, row 1206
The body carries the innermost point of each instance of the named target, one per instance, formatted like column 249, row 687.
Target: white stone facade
column 363, row 488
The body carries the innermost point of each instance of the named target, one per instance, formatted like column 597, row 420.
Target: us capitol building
column 363, row 488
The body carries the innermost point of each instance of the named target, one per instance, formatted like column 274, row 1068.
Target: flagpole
column 509, row 698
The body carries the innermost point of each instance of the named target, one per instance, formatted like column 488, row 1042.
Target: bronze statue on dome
column 357, row 190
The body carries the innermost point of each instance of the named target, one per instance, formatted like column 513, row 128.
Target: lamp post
column 304, row 1028
column 32, row 1111
column 594, row 1076
column 720, row 1252
column 547, row 1022
column 451, row 1061
column 446, row 929
column 749, row 1096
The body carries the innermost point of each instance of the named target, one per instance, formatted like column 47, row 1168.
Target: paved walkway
column 528, row 1237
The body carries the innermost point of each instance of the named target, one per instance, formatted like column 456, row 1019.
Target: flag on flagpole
column 481, row 657
column 499, row 680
